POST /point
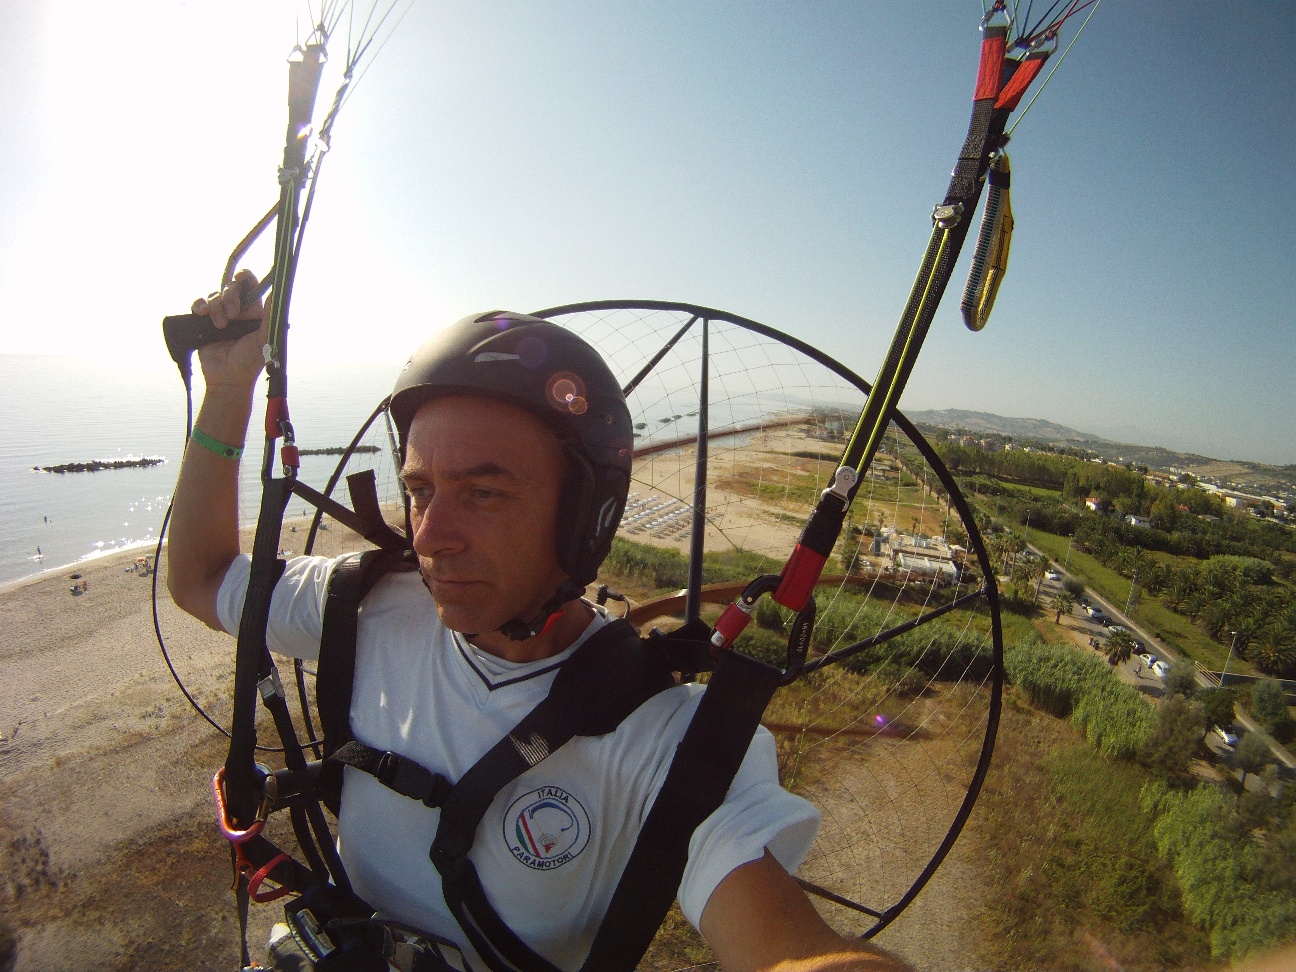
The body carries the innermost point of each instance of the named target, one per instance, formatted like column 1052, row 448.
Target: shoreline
column 133, row 547
column 47, row 573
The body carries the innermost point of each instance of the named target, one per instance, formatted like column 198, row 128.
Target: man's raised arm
column 204, row 536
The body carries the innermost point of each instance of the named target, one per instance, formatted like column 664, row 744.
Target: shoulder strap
column 350, row 582
column 704, row 767
column 607, row 678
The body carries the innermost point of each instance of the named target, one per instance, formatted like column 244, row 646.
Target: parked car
column 1116, row 629
column 1093, row 611
column 1228, row 738
column 1160, row 669
column 1148, row 659
column 1052, row 575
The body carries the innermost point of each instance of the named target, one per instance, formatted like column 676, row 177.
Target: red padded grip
column 1012, row 93
column 276, row 412
column 800, row 576
column 990, row 72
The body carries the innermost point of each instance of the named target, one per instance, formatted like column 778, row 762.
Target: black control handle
column 186, row 333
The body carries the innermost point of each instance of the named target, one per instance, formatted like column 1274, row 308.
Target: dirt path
column 888, row 802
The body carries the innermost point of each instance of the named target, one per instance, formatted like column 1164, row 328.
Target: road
column 1136, row 674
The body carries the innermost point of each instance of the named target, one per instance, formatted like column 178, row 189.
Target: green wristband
column 215, row 446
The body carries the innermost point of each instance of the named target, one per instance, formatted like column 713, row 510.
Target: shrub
column 1114, row 717
column 1054, row 677
column 1182, row 677
column 1268, row 701
column 651, row 565
column 1176, row 738
column 769, row 615
column 1219, row 879
column 763, row 645
column 1218, row 703
column 1252, row 570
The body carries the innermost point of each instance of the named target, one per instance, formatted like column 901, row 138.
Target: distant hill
column 1244, row 475
column 1036, row 430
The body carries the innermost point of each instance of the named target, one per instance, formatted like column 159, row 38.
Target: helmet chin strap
column 517, row 630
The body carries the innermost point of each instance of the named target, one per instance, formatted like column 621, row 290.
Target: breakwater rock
column 336, row 450
column 97, row 465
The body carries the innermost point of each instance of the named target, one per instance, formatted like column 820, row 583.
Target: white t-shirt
column 553, row 844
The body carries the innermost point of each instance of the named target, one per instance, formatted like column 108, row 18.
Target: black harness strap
column 705, row 764
column 396, row 772
column 582, row 701
column 351, row 581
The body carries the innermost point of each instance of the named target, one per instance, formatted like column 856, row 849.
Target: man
column 516, row 450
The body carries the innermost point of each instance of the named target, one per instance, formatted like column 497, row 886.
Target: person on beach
column 511, row 494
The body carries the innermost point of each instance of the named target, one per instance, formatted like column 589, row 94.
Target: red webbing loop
column 1012, row 93
column 289, row 456
column 254, row 880
column 990, row 71
column 799, row 578
column 276, row 412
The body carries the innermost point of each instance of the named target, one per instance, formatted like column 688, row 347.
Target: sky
column 775, row 160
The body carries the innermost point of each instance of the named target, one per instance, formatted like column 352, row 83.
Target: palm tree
column 1274, row 651
column 1217, row 618
column 1119, row 647
column 1179, row 588
column 1063, row 603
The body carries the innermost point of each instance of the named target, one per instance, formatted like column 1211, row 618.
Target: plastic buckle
column 271, row 686
column 309, row 933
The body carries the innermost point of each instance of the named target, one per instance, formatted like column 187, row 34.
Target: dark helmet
column 558, row 377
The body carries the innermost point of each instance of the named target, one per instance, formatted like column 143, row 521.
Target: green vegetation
column 1240, row 894
column 1269, row 705
column 1064, row 681
column 1232, row 858
column 1201, row 578
column 663, row 569
column 1070, row 859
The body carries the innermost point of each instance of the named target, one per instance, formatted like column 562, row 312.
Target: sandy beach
column 110, row 854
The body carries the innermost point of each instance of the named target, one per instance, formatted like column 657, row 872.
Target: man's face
column 484, row 479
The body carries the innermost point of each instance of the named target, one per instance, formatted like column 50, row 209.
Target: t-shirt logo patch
column 546, row 828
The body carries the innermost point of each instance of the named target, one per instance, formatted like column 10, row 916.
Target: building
column 922, row 557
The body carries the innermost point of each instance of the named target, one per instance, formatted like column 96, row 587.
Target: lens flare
column 567, row 393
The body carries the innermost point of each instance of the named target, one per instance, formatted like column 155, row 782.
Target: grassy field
column 1174, row 629
column 1074, row 881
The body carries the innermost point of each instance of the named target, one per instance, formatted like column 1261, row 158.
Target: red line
column 528, row 833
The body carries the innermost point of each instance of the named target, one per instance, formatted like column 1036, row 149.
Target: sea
column 65, row 409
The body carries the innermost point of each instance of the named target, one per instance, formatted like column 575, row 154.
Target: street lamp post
column 1224, row 674
column 1067, row 563
column 1129, row 603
